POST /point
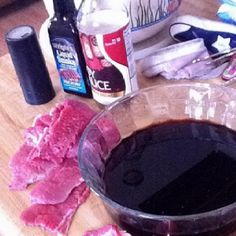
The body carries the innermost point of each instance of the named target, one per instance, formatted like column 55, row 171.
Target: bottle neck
column 64, row 8
column 89, row 6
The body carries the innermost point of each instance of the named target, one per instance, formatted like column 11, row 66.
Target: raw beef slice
column 56, row 218
column 36, row 157
column 65, row 131
column 101, row 139
column 49, row 154
column 109, row 131
column 108, row 230
column 41, row 123
column 57, row 186
column 73, row 150
column 25, row 172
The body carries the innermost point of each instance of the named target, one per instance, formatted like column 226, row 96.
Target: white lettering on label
column 67, row 55
column 98, row 84
column 101, row 85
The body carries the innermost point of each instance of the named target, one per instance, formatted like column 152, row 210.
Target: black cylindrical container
column 29, row 64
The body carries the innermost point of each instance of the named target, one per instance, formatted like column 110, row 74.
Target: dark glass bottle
column 64, row 39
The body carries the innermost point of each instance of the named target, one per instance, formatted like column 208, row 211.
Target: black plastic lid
column 29, row 64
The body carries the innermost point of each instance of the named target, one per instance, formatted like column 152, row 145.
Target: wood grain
column 16, row 115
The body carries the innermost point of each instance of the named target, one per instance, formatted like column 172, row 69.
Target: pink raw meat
column 49, row 154
column 111, row 230
column 56, row 111
column 50, row 131
column 36, row 132
column 73, row 150
column 56, row 218
column 65, row 131
column 25, row 172
column 57, row 186
column 102, row 138
column 109, row 131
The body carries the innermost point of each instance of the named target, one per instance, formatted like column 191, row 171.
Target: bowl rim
column 219, row 212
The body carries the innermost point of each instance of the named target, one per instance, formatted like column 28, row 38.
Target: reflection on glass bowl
column 138, row 111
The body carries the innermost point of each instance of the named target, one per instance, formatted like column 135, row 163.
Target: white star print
column 221, row 44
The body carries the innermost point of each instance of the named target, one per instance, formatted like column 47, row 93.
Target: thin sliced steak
column 34, row 134
column 57, row 186
column 65, row 131
column 73, row 150
column 109, row 131
column 25, row 172
column 54, row 131
column 111, row 230
column 102, row 138
column 56, row 218
column 49, row 154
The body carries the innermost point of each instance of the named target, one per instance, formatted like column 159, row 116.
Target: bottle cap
column 29, row 64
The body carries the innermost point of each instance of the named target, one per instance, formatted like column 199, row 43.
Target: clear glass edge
column 115, row 205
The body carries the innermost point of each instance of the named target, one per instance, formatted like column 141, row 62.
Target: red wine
column 175, row 168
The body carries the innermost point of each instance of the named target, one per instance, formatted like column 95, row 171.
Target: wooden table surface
column 16, row 115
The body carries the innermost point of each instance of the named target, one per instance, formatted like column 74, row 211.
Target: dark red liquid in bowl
column 177, row 168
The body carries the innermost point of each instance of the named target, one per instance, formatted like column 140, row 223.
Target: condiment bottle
column 64, row 39
column 105, row 37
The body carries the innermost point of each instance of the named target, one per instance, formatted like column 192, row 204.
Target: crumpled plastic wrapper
column 181, row 61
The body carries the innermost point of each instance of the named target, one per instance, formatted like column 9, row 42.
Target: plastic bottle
column 64, row 39
column 105, row 37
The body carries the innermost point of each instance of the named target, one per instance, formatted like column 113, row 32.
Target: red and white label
column 110, row 63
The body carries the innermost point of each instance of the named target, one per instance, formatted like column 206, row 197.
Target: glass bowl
column 137, row 111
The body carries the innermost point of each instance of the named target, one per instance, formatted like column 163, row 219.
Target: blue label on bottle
column 68, row 65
